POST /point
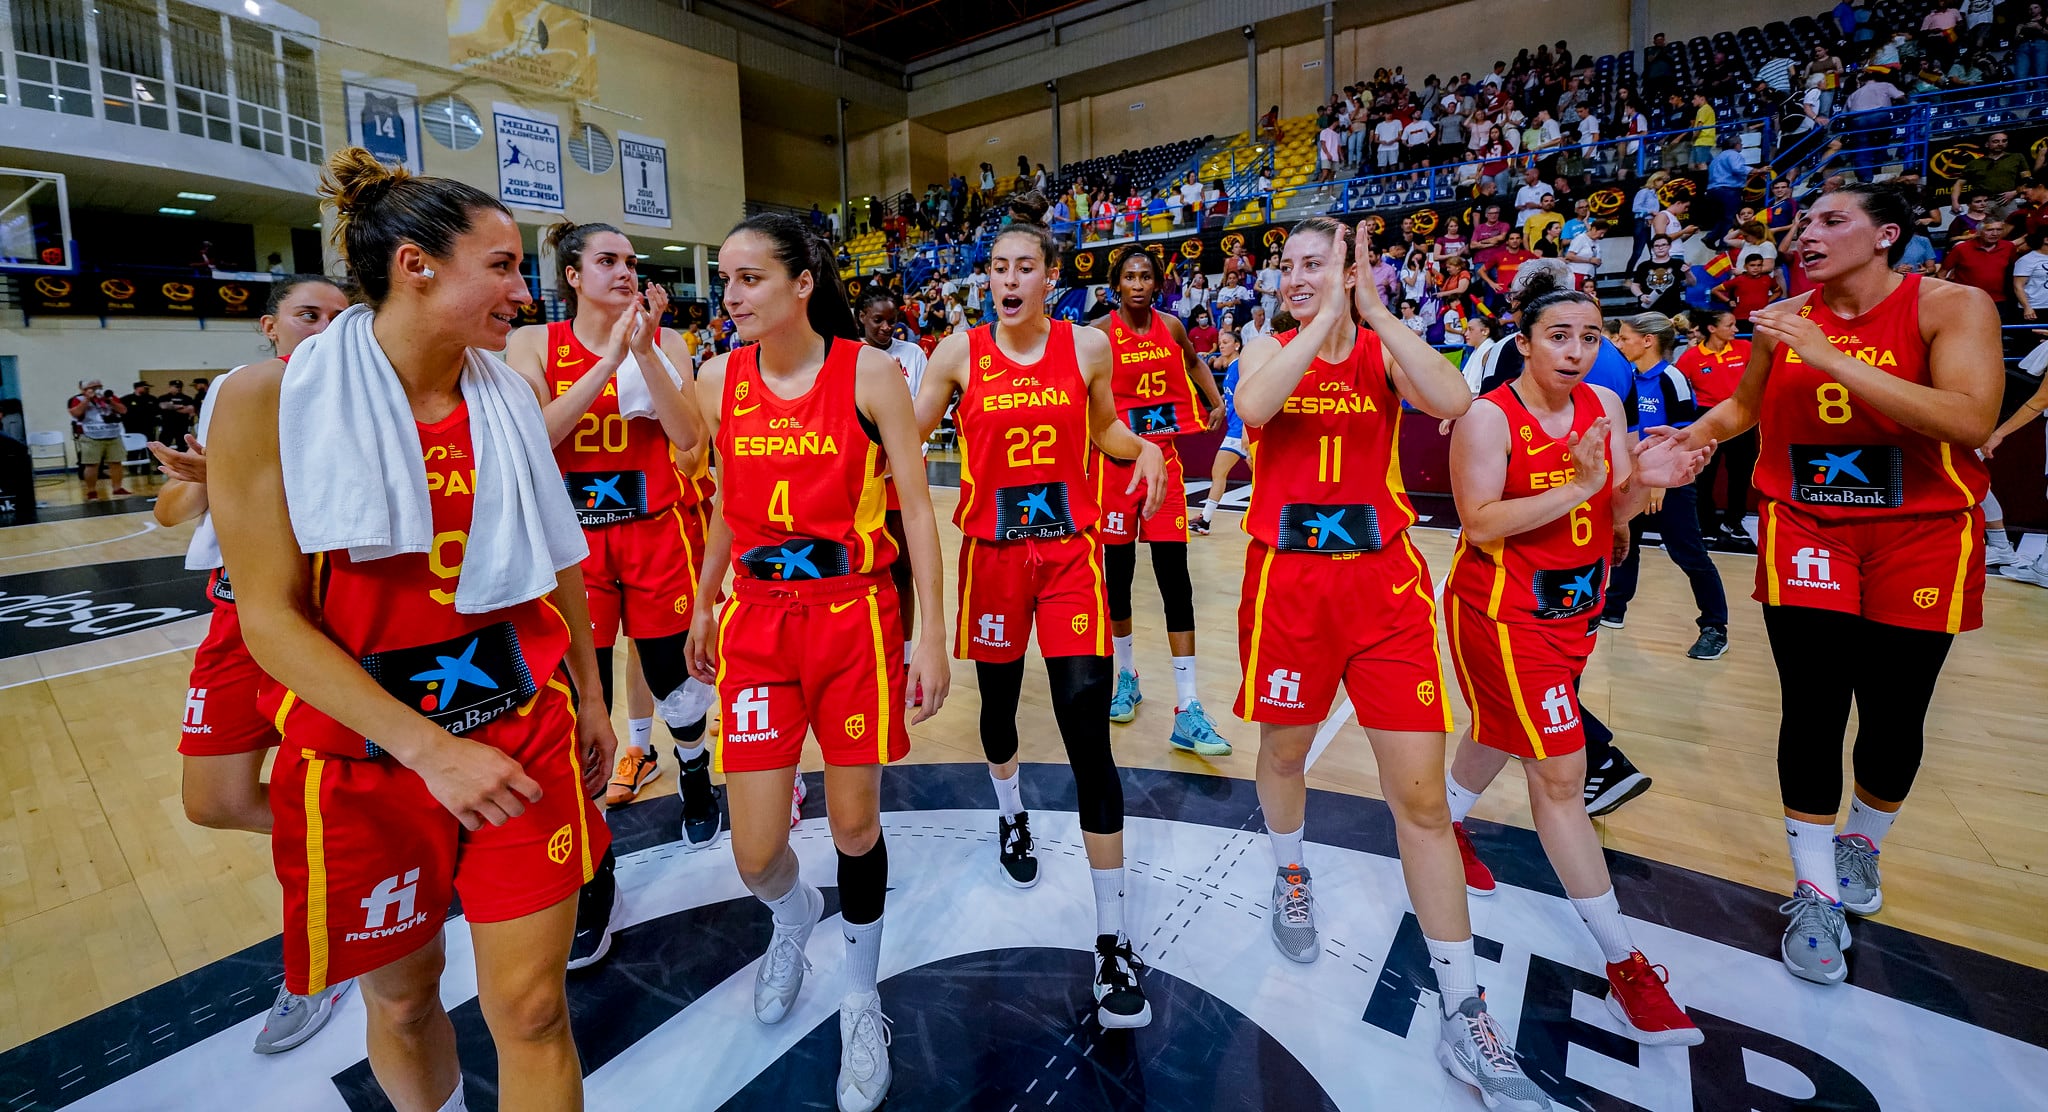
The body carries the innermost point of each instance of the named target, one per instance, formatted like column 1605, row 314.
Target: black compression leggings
column 1827, row 659
column 1169, row 567
column 1080, row 703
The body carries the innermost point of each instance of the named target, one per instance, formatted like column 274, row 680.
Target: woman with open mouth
column 1035, row 403
column 1870, row 394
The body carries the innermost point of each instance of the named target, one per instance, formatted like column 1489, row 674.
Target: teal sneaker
column 1193, row 732
column 1123, row 704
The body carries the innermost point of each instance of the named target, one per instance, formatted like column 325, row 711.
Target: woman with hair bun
column 409, row 582
column 1869, row 394
column 806, row 420
column 1543, row 468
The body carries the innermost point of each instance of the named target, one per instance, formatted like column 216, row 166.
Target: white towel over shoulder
column 634, row 400
column 354, row 479
column 203, row 553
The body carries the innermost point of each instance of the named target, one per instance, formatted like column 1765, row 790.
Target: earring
column 1884, row 243
column 427, row 272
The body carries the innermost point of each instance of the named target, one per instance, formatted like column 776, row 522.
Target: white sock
column 1460, row 797
column 1286, row 847
column 1998, row 540
column 792, row 908
column 1126, row 653
column 1813, row 855
column 1869, row 822
column 1457, row 977
column 1184, row 681
column 1602, row 916
column 1208, row 508
column 642, row 730
column 688, row 753
column 1009, row 793
column 455, row 1102
column 863, row 955
column 1109, row 900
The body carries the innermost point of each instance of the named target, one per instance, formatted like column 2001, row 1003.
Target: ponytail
column 798, row 249
column 567, row 239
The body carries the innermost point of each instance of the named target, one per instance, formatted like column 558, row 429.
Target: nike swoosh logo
column 1404, row 587
column 840, row 606
column 1535, row 448
column 568, row 362
column 993, row 374
column 744, row 412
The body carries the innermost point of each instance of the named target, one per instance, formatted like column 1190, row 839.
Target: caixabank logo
column 1862, row 475
column 988, row 985
column 459, row 684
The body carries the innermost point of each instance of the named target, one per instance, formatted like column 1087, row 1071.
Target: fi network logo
column 1813, row 567
column 750, row 710
column 990, row 628
column 195, row 711
column 399, row 893
column 1283, row 687
column 1557, row 703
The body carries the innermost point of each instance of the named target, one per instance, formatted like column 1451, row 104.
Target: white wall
column 53, row 353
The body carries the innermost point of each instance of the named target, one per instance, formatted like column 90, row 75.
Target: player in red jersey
column 624, row 473
column 805, row 420
column 1869, row 395
column 1035, row 403
column 1714, row 367
column 1335, row 593
column 1155, row 371
column 226, row 738
column 1543, row 474
column 484, row 755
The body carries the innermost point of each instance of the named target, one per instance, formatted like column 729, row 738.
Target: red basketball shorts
column 1520, row 679
column 823, row 655
column 221, row 715
column 643, row 572
column 1123, row 521
column 368, row 858
column 1924, row 572
column 1367, row 621
column 1008, row 586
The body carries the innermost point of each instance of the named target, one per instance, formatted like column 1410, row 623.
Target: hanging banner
column 643, row 175
column 142, row 293
column 384, row 119
column 524, row 43
column 529, row 158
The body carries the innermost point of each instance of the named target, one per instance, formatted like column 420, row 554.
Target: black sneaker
column 1612, row 621
column 701, row 818
column 594, row 905
column 1020, row 867
column 1712, row 645
column 1613, row 784
column 1198, row 526
column 1119, row 999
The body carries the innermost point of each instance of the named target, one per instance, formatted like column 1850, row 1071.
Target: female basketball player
column 431, row 744
column 1542, row 472
column 876, row 311
column 226, row 738
column 806, row 419
column 628, row 490
column 1868, row 394
column 1034, row 395
column 1154, row 363
column 1335, row 593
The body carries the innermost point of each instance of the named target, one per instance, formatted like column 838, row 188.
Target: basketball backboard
column 35, row 222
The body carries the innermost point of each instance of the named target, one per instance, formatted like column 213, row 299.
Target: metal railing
column 1866, row 142
column 164, row 65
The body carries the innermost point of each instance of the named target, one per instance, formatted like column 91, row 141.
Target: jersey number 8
column 1834, row 402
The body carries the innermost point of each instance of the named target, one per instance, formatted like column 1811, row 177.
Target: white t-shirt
column 2031, row 270
column 1531, row 195
column 1269, row 280
column 1550, row 132
column 1417, row 133
column 1387, row 133
column 912, row 359
column 1589, row 130
column 1191, row 194
column 1584, row 244
column 1331, row 144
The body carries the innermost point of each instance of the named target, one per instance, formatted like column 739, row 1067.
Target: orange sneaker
column 1478, row 878
column 636, row 770
column 1637, row 997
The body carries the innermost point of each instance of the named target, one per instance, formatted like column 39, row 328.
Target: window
column 302, row 103
column 452, row 122
column 591, row 149
column 257, row 96
column 200, row 73
column 132, row 65
column 49, row 40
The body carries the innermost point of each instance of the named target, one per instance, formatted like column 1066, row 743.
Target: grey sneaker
column 1712, row 644
column 780, row 976
column 1474, row 1051
column 294, row 1019
column 1294, row 914
column 864, row 1038
column 1856, row 866
column 2035, row 573
column 1815, row 937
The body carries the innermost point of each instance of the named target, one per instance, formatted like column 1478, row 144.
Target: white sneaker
column 1999, row 555
column 1472, row 1049
column 864, row 1038
column 294, row 1019
column 2035, row 573
column 780, row 976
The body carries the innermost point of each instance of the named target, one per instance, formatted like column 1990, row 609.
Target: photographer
column 96, row 415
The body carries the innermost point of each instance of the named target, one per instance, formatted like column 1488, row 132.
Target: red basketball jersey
column 1714, row 374
column 1150, row 380
column 801, row 478
column 1557, row 570
column 1833, row 453
column 617, row 469
column 1024, row 442
column 397, row 616
column 1326, row 469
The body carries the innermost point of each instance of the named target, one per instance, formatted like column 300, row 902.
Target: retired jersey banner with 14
column 384, row 119
column 643, row 174
column 529, row 158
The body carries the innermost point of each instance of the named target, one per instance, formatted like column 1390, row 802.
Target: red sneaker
column 1637, row 997
column 1478, row 878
